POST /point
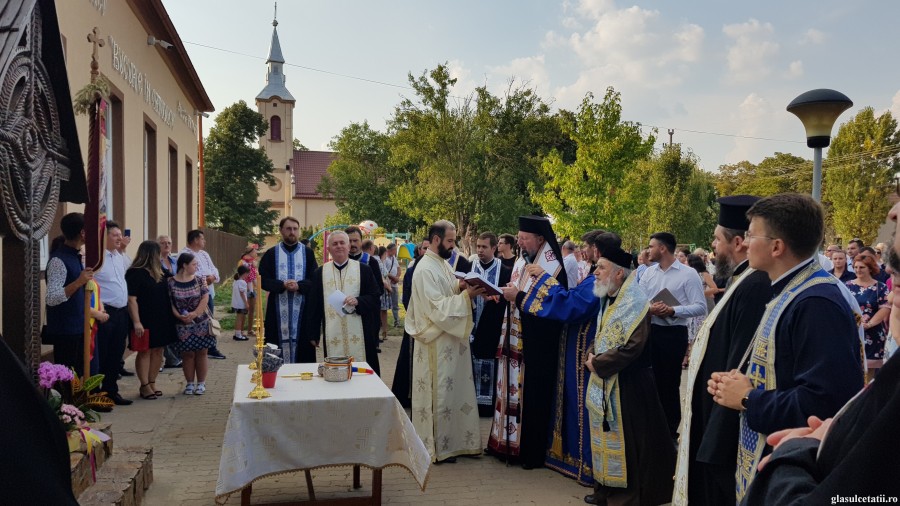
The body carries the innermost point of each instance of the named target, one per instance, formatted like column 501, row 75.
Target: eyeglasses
column 748, row 237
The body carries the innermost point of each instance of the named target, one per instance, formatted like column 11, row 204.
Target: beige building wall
column 155, row 187
column 312, row 212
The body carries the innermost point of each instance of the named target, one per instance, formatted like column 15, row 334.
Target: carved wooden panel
column 33, row 160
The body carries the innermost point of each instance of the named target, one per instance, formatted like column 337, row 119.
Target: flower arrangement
column 77, row 408
column 271, row 362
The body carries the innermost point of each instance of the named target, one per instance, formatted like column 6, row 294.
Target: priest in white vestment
column 444, row 408
column 343, row 294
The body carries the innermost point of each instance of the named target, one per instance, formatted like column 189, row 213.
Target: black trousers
column 667, row 347
column 68, row 350
column 111, row 346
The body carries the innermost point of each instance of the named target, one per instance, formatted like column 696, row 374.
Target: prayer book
column 474, row 279
column 666, row 297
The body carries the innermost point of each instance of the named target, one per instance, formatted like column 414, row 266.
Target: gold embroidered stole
column 617, row 323
column 761, row 369
column 343, row 333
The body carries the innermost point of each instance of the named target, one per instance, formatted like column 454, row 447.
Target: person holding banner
column 66, row 277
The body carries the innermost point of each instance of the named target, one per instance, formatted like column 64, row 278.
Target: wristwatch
column 744, row 400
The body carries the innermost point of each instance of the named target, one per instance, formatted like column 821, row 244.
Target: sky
column 719, row 73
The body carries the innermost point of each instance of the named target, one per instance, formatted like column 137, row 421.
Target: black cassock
column 369, row 304
column 402, row 384
column 268, row 275
column 540, row 354
column 486, row 339
column 859, row 456
column 714, row 429
column 372, row 323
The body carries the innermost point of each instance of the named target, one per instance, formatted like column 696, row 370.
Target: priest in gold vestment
column 344, row 328
column 444, row 408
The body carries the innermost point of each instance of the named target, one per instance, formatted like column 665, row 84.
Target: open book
column 473, row 278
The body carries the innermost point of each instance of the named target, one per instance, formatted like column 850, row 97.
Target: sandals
column 150, row 397
column 155, row 391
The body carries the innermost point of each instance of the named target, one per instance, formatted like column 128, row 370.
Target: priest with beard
column 345, row 332
column 632, row 453
column 488, row 317
column 707, row 452
column 527, row 339
column 285, row 271
column 570, row 444
column 371, row 322
column 444, row 411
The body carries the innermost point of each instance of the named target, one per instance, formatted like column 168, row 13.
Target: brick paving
column 186, row 435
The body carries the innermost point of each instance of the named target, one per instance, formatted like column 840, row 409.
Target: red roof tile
column 308, row 168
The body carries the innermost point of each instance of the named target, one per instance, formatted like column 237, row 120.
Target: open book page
column 473, row 278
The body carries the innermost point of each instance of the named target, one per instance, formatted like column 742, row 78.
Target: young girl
column 239, row 301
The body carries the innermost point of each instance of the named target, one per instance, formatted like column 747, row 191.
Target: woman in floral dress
column 872, row 296
column 190, row 300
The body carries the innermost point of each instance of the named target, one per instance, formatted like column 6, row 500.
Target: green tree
column 862, row 162
column 779, row 173
column 680, row 198
column 298, row 146
column 234, row 167
column 362, row 178
column 519, row 132
column 437, row 141
column 587, row 193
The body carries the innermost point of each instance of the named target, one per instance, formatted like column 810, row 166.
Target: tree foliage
column 858, row 173
column 468, row 159
column 779, row 173
column 234, row 167
column 668, row 192
column 362, row 171
column 586, row 193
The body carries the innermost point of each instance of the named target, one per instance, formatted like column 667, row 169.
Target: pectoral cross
column 95, row 38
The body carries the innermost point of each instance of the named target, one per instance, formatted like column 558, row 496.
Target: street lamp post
column 818, row 110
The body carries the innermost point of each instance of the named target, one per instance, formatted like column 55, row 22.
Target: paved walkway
column 186, row 436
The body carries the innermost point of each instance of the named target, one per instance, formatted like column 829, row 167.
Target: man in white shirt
column 570, row 263
column 114, row 295
column 668, row 325
column 206, row 269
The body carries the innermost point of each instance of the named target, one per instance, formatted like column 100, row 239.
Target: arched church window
column 275, row 128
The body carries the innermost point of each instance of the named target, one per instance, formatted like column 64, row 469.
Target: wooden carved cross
column 95, row 38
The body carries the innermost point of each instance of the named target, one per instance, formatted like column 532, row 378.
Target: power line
column 405, row 87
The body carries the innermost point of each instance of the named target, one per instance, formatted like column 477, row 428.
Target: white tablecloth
column 311, row 424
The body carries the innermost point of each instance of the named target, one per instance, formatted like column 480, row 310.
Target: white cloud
column 753, row 114
column 895, row 106
column 795, row 69
column 753, row 49
column 529, row 70
column 465, row 84
column 626, row 47
column 812, row 36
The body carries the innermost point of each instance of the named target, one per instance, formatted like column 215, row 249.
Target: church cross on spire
column 275, row 17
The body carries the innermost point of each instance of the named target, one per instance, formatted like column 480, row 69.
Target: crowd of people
column 156, row 304
column 777, row 341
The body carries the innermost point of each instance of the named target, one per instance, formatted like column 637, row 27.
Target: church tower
column 276, row 104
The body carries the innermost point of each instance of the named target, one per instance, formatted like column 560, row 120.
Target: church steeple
column 275, row 79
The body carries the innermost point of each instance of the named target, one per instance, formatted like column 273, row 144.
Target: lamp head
column 151, row 41
column 818, row 110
